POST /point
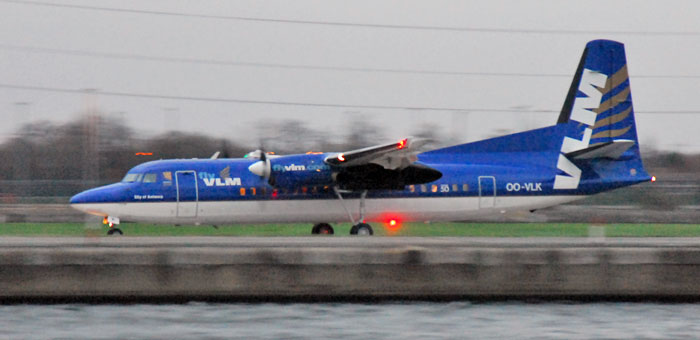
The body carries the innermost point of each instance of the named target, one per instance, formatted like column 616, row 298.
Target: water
column 353, row 321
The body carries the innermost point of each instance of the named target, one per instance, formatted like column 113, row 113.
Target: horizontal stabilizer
column 613, row 150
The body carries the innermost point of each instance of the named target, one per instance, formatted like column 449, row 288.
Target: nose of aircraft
column 83, row 200
column 83, row 197
column 92, row 201
column 106, row 194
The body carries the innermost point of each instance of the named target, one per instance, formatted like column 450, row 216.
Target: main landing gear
column 322, row 229
column 362, row 229
column 359, row 226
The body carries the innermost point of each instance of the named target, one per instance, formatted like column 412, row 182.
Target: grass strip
column 343, row 229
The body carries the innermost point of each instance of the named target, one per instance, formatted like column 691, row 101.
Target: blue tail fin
column 600, row 144
column 592, row 148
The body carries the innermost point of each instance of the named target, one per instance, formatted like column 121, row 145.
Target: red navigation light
column 402, row 143
column 653, row 179
column 341, row 158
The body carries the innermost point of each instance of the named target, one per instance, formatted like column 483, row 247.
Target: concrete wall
column 321, row 270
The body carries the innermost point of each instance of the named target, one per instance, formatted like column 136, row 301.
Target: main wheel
column 114, row 231
column 362, row 229
column 323, row 229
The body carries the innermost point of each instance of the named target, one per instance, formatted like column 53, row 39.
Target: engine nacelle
column 300, row 170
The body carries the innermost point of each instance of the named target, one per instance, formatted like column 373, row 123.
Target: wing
column 387, row 166
column 391, row 156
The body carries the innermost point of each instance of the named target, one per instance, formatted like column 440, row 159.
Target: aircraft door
column 187, row 193
column 487, row 192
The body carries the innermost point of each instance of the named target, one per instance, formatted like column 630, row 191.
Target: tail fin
column 594, row 143
column 601, row 136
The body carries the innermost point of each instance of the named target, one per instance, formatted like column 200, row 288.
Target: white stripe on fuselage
column 322, row 210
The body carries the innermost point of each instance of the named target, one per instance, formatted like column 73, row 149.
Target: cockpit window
column 130, row 178
column 150, row 178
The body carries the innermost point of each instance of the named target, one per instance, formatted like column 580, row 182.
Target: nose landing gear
column 114, row 231
column 111, row 221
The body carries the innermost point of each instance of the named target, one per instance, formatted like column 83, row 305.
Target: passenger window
column 455, row 187
column 242, row 191
column 412, row 188
column 465, row 187
column 150, row 178
column 253, row 191
column 423, row 188
column 433, row 188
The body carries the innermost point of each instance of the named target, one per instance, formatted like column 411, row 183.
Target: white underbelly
column 320, row 210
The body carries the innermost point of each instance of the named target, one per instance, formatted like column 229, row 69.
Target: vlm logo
column 581, row 112
column 224, row 180
column 290, row 167
column 301, row 167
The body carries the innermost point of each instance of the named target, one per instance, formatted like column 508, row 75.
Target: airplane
column 592, row 148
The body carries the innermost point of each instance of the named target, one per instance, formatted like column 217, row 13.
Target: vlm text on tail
column 600, row 150
column 592, row 148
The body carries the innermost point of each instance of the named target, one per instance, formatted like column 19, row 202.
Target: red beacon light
column 392, row 223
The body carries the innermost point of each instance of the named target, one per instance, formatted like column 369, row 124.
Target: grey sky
column 201, row 38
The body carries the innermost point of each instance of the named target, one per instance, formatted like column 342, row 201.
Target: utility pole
column 91, row 156
column 23, row 153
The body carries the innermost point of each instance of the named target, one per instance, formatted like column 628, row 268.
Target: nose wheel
column 114, row 231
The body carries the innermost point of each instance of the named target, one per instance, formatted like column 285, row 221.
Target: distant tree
column 362, row 133
column 189, row 145
column 431, row 133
